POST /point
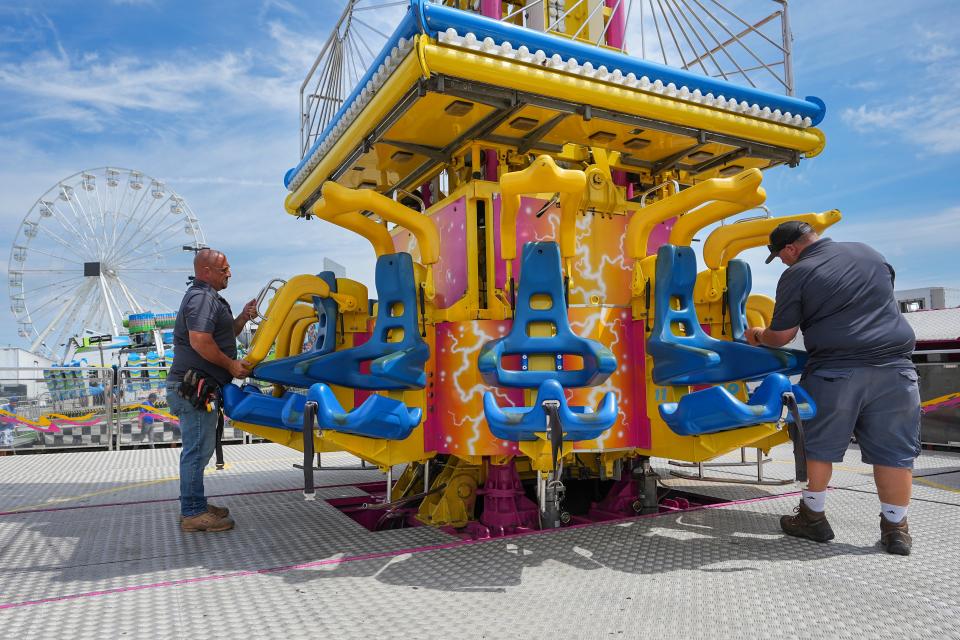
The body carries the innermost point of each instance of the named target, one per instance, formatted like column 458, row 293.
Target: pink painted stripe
column 156, row 500
column 358, row 558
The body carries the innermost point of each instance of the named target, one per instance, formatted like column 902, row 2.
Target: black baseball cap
column 784, row 234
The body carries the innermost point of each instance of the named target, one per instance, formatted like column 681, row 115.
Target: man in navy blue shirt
column 204, row 338
column 859, row 373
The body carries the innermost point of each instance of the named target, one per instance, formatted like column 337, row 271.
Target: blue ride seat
column 695, row 357
column 377, row 417
column 395, row 365
column 541, row 300
column 541, row 276
column 739, row 285
column 716, row 409
column 523, row 423
column 283, row 370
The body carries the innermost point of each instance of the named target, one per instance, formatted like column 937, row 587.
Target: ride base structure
column 541, row 319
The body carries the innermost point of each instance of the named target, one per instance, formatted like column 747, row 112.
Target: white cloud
column 926, row 112
column 933, row 53
column 928, row 121
column 930, row 45
column 866, row 85
column 128, row 83
column 865, row 118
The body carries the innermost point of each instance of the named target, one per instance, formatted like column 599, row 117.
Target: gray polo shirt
column 840, row 294
column 202, row 309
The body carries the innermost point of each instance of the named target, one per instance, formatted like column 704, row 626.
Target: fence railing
column 100, row 407
column 88, row 407
column 940, row 395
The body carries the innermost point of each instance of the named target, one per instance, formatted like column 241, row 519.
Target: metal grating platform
column 90, row 547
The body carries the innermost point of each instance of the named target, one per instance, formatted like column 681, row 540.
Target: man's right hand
column 240, row 368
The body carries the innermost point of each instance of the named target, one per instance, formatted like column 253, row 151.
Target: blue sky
column 204, row 95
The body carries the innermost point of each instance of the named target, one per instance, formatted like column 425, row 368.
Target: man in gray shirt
column 859, row 373
column 204, row 339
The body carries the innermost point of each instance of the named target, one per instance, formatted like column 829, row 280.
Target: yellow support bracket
column 750, row 196
column 542, row 176
column 756, row 233
column 602, row 195
column 725, row 242
column 728, row 241
column 376, row 234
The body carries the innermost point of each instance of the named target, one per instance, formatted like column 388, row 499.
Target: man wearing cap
column 859, row 373
column 204, row 339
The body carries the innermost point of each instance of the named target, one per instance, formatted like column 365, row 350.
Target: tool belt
column 200, row 390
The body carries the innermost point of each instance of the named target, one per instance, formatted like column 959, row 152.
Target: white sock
column 892, row 512
column 815, row 500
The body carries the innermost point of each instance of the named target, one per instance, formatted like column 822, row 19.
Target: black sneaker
column 895, row 537
column 807, row 523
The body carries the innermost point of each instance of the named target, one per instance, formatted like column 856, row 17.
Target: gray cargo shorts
column 879, row 405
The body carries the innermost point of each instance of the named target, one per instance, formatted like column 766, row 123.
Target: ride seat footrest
column 377, row 417
column 716, row 409
column 516, row 424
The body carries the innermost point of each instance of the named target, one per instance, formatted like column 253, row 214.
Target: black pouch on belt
column 200, row 390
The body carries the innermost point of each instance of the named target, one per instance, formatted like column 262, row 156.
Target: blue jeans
column 199, row 434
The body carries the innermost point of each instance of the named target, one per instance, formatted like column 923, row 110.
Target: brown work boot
column 807, row 523
column 220, row 512
column 895, row 537
column 206, row 521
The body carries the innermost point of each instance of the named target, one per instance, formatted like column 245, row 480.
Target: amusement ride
column 541, row 324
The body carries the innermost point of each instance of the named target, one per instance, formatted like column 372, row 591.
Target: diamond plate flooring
column 89, row 546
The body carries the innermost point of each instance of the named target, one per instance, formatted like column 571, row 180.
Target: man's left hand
column 753, row 334
column 249, row 311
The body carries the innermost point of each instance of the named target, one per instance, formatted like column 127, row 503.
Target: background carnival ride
column 96, row 247
column 531, row 194
column 94, row 271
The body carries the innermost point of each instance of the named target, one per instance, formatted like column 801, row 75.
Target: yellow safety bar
column 725, row 242
column 743, row 187
column 759, row 310
column 753, row 195
column 542, row 176
column 296, row 322
column 338, row 201
column 279, row 317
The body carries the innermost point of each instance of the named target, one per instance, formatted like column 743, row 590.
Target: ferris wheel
column 96, row 247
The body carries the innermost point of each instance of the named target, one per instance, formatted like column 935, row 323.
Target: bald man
column 205, row 341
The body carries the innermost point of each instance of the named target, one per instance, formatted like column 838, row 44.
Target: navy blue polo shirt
column 840, row 294
column 202, row 309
